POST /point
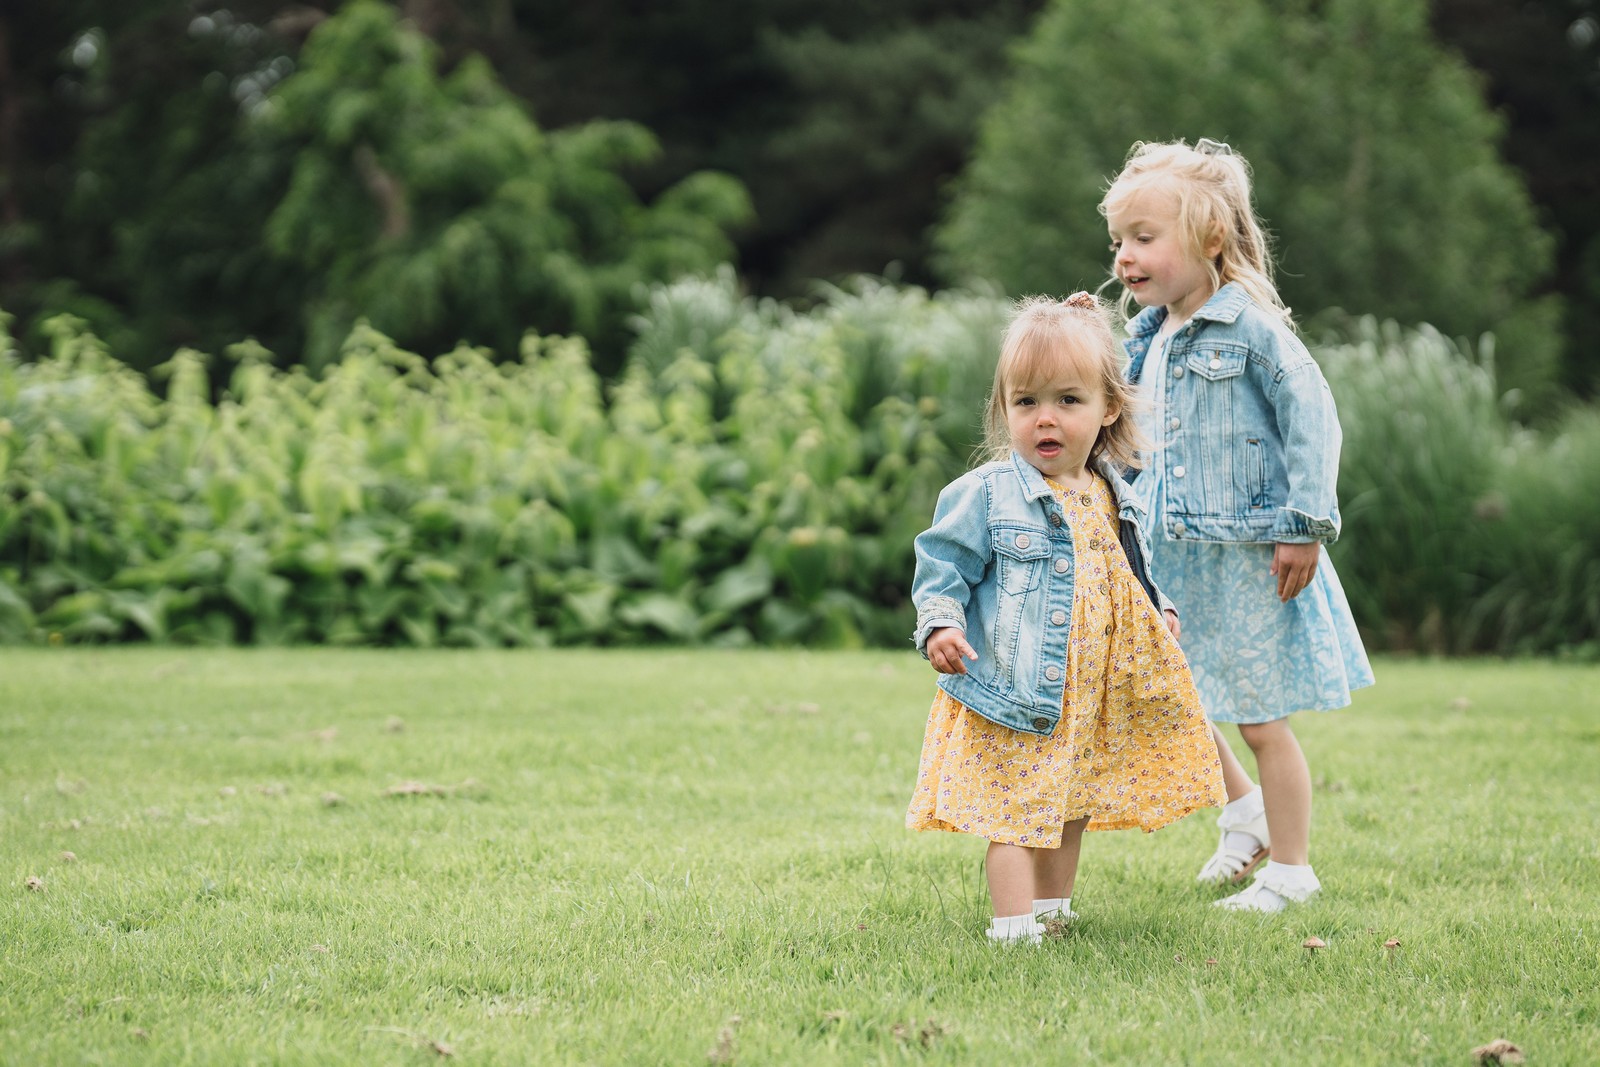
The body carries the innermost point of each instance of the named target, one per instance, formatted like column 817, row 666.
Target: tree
column 844, row 120
column 1541, row 60
column 132, row 197
column 1374, row 157
column 185, row 174
column 436, row 208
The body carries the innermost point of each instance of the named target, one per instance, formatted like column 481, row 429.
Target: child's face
column 1150, row 258
column 1054, row 424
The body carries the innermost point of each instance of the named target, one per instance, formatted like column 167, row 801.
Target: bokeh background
column 512, row 323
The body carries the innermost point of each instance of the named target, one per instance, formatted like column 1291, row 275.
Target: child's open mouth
column 1048, row 448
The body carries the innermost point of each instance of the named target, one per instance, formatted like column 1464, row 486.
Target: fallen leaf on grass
column 410, row 788
column 395, row 725
column 140, row 1033
column 325, row 735
column 227, row 791
column 1211, row 961
column 69, row 857
column 722, row 1052
column 319, row 948
column 272, row 789
column 438, row 1048
column 332, row 800
column 1498, row 1051
column 925, row 1036
column 34, row 884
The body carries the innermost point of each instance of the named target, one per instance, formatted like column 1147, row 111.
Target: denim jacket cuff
column 936, row 612
column 1297, row 526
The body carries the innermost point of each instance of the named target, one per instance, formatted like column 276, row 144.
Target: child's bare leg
column 1286, row 787
column 1234, row 777
column 1055, row 870
column 1009, row 869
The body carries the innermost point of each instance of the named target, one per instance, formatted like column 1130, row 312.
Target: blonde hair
column 1210, row 184
column 1046, row 333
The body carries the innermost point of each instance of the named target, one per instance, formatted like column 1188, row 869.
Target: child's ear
column 1213, row 247
column 1113, row 413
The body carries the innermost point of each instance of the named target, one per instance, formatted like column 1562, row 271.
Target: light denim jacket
column 997, row 564
column 1250, row 435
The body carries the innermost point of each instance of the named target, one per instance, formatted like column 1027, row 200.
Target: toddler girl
column 1064, row 701
column 1240, row 492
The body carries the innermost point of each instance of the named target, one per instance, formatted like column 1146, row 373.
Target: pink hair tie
column 1080, row 299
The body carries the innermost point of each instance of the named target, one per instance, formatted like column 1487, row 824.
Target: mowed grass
column 683, row 857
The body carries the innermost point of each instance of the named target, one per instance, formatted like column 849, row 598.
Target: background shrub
column 756, row 475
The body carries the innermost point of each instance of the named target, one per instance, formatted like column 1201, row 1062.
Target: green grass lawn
column 677, row 857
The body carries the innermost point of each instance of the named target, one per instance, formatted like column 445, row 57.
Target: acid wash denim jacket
column 1249, row 435
column 997, row 564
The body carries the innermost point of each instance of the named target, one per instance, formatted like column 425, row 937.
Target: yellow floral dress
column 1132, row 748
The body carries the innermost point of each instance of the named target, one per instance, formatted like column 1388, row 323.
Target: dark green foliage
column 844, row 120
column 225, row 184
column 1541, row 63
column 439, row 211
column 1374, row 155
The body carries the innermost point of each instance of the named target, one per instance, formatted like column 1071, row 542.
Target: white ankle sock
column 1051, row 906
column 1014, row 928
column 1242, row 809
column 1290, row 881
column 1241, row 842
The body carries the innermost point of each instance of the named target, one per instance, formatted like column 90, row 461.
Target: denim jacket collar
column 1034, row 486
column 1225, row 305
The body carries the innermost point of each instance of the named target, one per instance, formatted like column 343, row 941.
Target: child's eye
column 1023, row 401
column 1115, row 245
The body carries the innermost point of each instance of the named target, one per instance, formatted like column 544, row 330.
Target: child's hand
column 946, row 646
column 1295, row 565
column 1170, row 617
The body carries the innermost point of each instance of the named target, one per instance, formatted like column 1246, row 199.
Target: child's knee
column 1262, row 734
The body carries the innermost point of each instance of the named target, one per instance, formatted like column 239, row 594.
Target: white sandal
column 1269, row 895
column 1231, row 866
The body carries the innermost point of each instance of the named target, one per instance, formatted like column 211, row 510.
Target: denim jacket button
column 1052, row 673
column 1061, row 566
column 1058, row 617
column 1177, row 472
column 1179, row 529
column 1175, row 423
column 1177, row 372
column 1041, row 723
column 1216, row 363
column 1023, row 540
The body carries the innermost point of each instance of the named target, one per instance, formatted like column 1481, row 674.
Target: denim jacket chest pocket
column 1019, row 554
column 1218, row 362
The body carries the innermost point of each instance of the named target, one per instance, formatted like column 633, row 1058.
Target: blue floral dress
column 1254, row 658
